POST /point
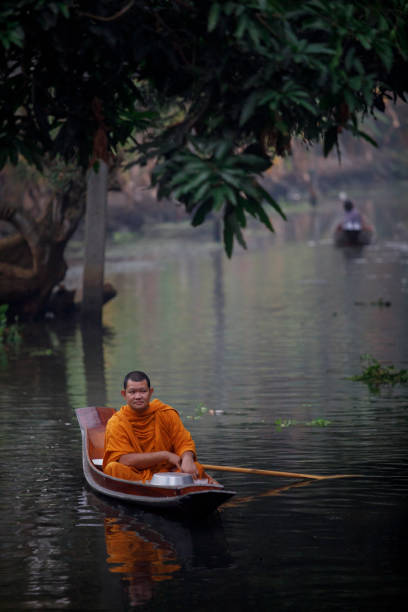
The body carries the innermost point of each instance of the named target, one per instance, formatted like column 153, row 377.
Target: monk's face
column 137, row 395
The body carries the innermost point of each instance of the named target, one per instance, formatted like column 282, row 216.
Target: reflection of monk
column 141, row 561
column 146, row 436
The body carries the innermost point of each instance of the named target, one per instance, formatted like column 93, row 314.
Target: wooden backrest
column 96, row 441
column 92, row 420
column 92, row 416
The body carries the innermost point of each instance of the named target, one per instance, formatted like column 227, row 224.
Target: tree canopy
column 213, row 91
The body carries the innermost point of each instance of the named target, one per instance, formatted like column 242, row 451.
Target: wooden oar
column 228, row 468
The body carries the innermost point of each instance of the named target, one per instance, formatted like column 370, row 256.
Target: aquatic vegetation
column 42, row 353
column 380, row 302
column 122, row 237
column 282, row 423
column 376, row 374
column 318, row 423
column 9, row 332
column 201, row 410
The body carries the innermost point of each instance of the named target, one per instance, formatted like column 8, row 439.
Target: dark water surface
column 272, row 334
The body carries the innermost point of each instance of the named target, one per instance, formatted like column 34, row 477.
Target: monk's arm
column 146, row 460
column 188, row 465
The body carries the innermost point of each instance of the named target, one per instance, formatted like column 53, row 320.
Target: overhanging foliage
column 214, row 90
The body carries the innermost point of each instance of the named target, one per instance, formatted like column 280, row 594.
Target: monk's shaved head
column 136, row 376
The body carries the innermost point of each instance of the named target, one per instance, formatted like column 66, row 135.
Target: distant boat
column 353, row 237
column 167, row 491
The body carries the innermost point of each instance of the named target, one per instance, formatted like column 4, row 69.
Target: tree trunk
column 32, row 260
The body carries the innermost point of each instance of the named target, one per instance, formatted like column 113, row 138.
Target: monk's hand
column 174, row 460
column 187, row 464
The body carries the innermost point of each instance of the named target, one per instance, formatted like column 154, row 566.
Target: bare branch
column 112, row 17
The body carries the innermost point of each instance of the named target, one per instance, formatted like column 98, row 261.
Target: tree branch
column 112, row 17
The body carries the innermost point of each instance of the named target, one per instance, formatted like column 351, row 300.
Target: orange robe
column 158, row 428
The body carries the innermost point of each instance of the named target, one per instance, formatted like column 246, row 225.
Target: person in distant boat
column 146, row 436
column 352, row 220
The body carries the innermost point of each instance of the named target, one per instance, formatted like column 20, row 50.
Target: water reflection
column 146, row 548
column 239, row 501
column 352, row 252
column 94, row 362
column 218, row 308
column 140, row 555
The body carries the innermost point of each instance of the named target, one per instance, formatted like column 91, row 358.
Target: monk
column 146, row 436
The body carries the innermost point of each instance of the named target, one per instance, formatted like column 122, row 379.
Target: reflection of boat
column 142, row 557
column 353, row 237
column 191, row 498
column 144, row 549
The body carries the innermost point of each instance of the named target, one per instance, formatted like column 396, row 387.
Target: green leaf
column 365, row 41
column 201, row 213
column 254, row 33
column 230, row 195
column 355, row 83
column 240, row 237
column 64, row 9
column 17, row 36
column 248, row 108
column 319, row 48
column 349, row 99
column 263, row 217
column 312, row 109
column 358, row 66
column 197, row 178
column 267, row 196
column 201, row 191
column 330, row 140
column 230, row 178
column 240, row 213
column 386, row 55
column 213, row 16
column 348, row 62
column 219, row 197
column 231, row 229
column 315, row 24
column 228, row 236
column 242, row 26
column 257, row 164
column 366, row 137
column 222, row 149
column 191, row 184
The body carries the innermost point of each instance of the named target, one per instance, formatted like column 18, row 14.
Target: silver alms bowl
column 172, row 479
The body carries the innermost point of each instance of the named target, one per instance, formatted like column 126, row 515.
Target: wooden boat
column 345, row 237
column 167, row 492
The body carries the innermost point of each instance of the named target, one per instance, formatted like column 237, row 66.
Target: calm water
column 272, row 334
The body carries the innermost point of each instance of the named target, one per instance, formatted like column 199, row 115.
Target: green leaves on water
column 9, row 332
column 10, row 336
column 42, row 353
column 283, row 423
column 380, row 302
column 375, row 374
